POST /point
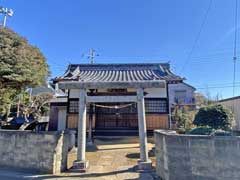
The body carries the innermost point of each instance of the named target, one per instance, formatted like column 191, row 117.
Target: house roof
column 189, row 86
column 230, row 99
column 41, row 90
column 118, row 72
column 46, row 89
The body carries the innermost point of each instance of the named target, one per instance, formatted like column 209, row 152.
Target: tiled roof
column 118, row 72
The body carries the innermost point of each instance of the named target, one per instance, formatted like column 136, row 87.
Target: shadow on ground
column 124, row 174
column 137, row 155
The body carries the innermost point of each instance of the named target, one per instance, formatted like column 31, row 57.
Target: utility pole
column 6, row 12
column 235, row 47
column 92, row 55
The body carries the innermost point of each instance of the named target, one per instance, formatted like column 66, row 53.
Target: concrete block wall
column 44, row 152
column 191, row 157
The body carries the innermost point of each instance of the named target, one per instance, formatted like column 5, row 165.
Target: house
column 181, row 94
column 122, row 115
column 234, row 105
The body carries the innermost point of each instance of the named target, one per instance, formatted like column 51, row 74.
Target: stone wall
column 191, row 157
column 44, row 152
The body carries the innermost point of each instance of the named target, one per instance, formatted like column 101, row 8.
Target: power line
column 216, row 84
column 208, row 60
column 219, row 54
column 206, row 63
column 235, row 47
column 218, row 87
column 198, row 36
column 55, row 63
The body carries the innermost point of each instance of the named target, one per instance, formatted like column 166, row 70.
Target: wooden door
column 110, row 118
column 62, row 114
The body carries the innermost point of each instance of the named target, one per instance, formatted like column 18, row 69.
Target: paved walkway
column 109, row 160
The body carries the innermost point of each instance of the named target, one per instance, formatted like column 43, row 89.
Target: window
column 73, row 106
column 180, row 96
column 152, row 105
column 156, row 105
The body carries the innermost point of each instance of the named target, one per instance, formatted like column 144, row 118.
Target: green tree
column 6, row 96
column 184, row 117
column 215, row 116
column 21, row 65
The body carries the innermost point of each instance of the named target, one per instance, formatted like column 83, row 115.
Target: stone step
column 115, row 132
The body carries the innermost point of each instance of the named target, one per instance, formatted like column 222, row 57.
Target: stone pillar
column 144, row 163
column 81, row 163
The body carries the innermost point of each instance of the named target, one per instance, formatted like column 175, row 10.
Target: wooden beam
column 97, row 85
column 111, row 99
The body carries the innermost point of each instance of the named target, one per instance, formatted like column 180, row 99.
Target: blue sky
column 130, row 31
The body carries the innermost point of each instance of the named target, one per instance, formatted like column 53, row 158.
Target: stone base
column 144, row 165
column 79, row 166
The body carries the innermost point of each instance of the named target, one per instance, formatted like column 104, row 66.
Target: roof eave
column 123, row 84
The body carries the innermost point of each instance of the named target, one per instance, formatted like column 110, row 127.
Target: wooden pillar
column 81, row 163
column 90, row 140
column 144, row 163
column 169, row 107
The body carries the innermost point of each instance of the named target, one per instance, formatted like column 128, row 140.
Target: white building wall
column 234, row 106
column 74, row 93
column 156, row 92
